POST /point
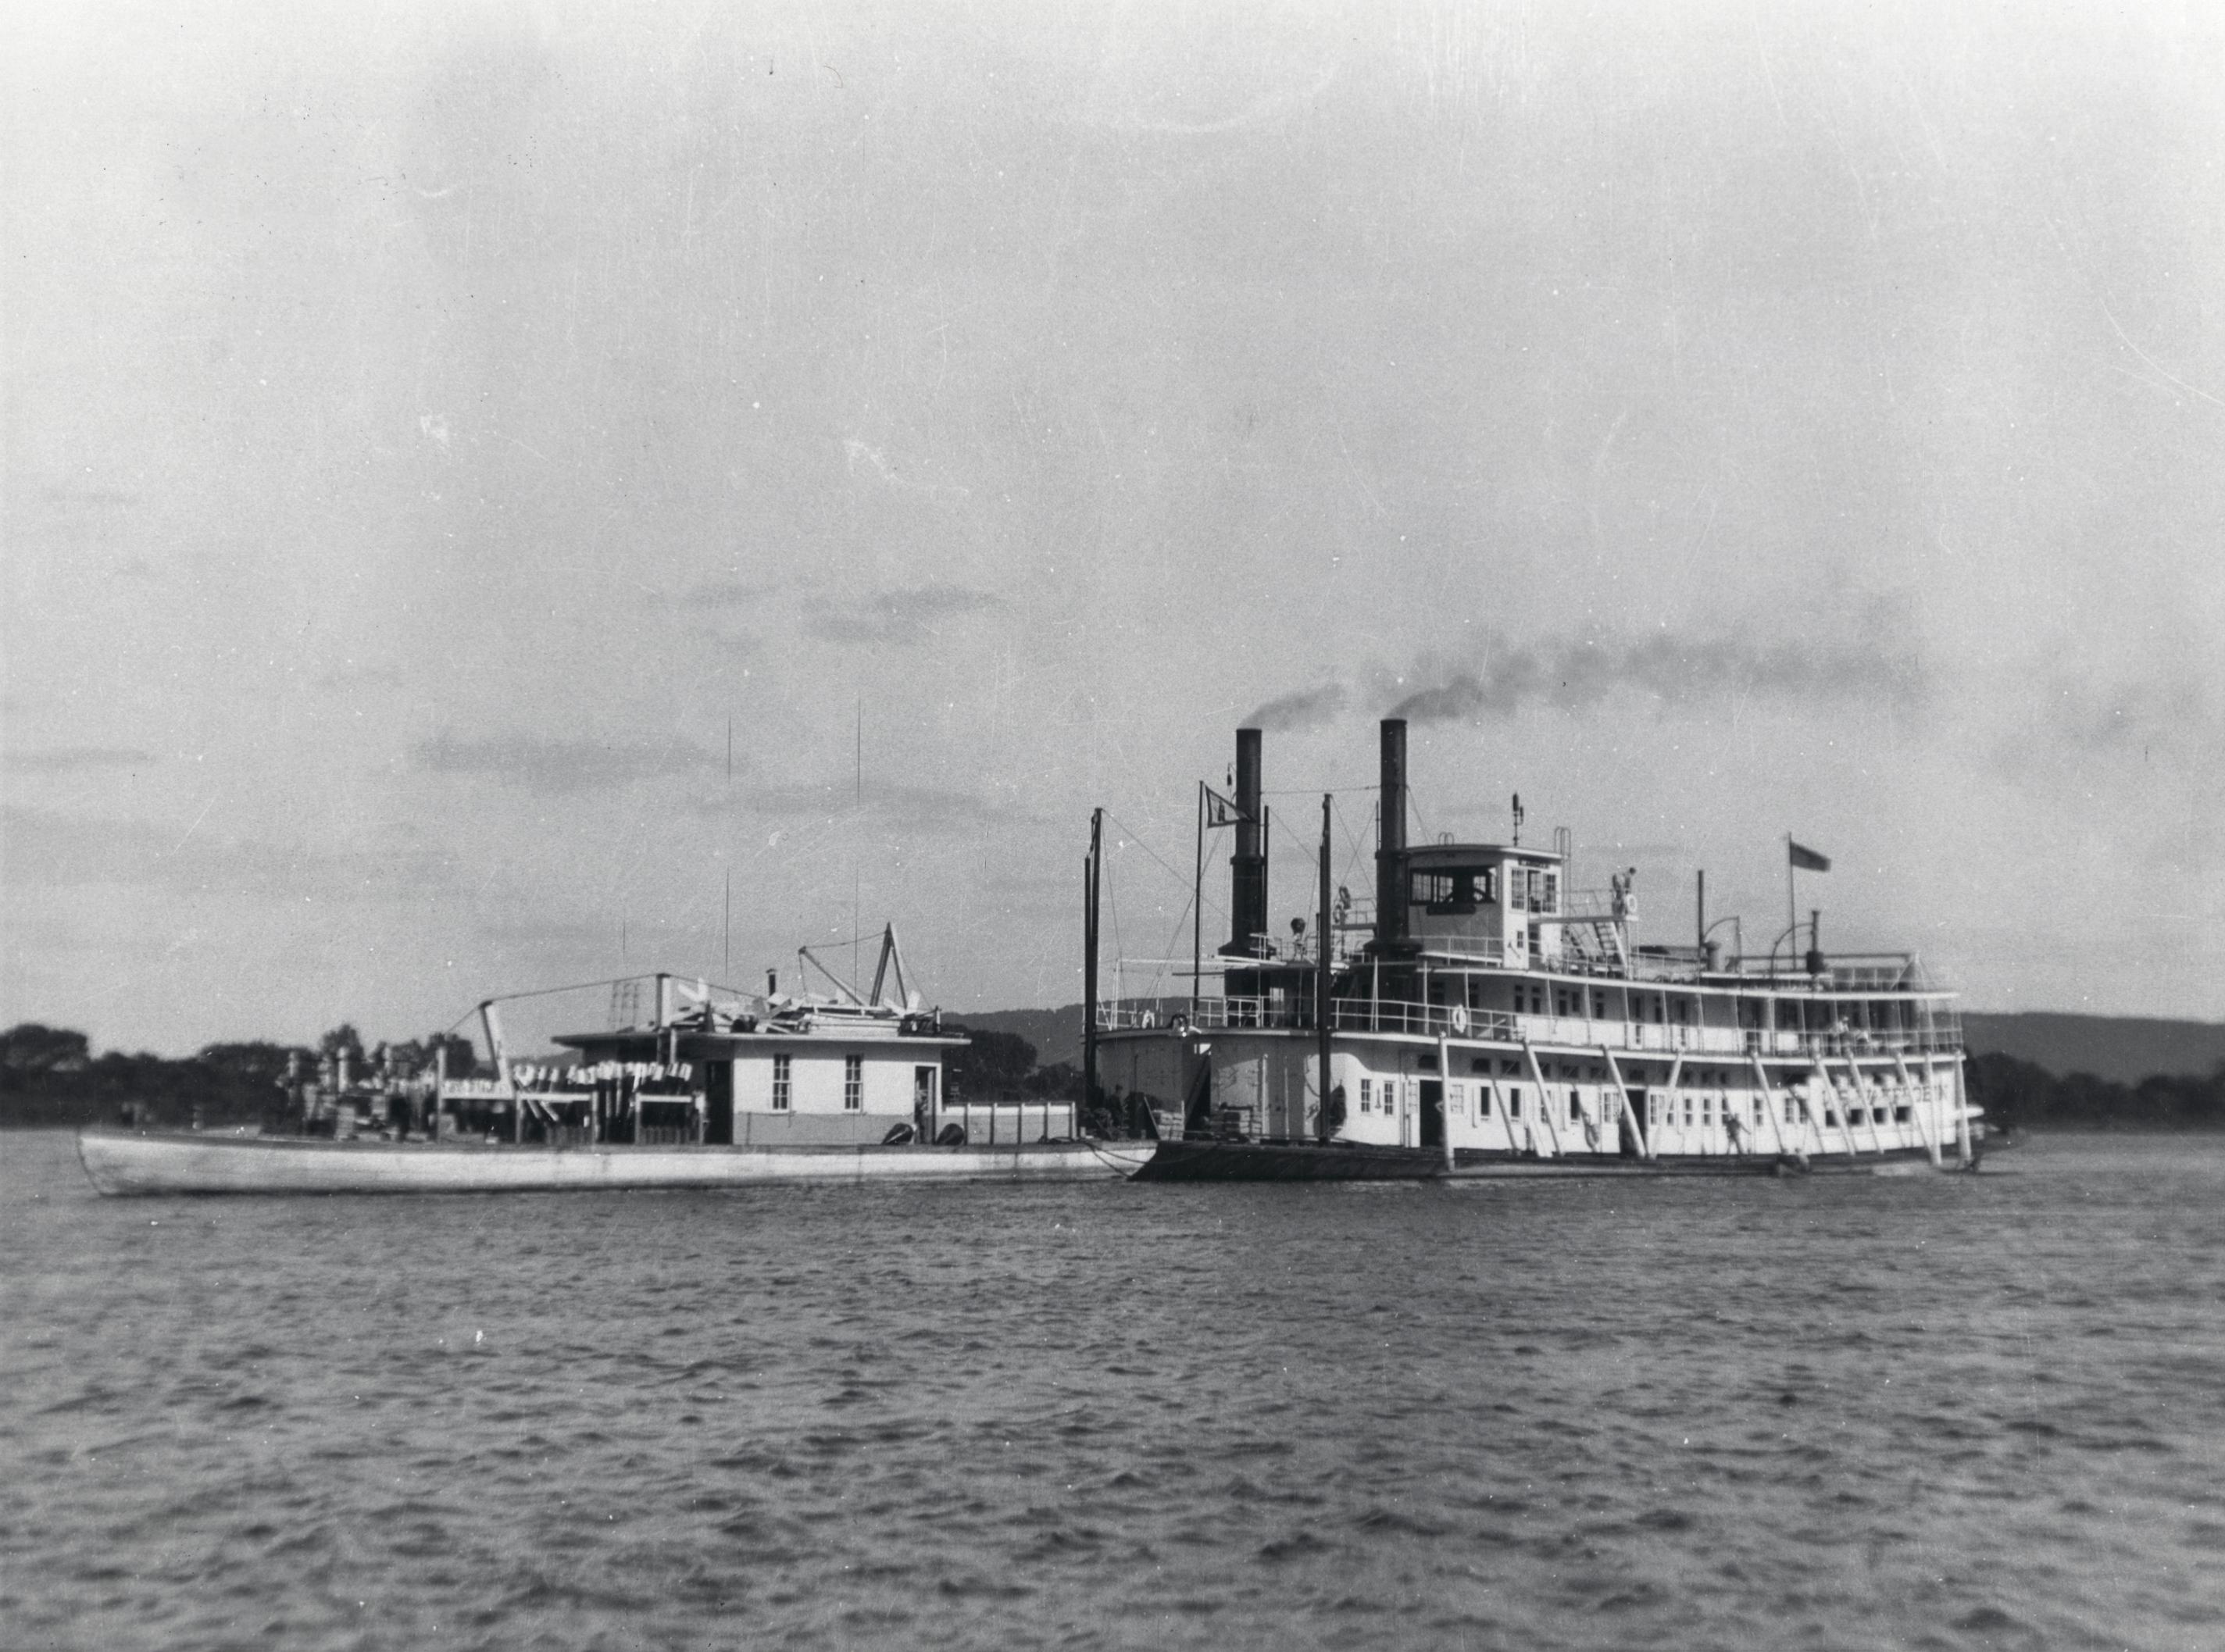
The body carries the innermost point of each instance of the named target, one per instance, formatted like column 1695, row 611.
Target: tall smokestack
column 1391, row 854
column 1248, row 868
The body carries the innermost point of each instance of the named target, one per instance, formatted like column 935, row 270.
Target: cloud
column 542, row 764
column 1874, row 668
column 47, row 848
column 901, row 618
column 1307, row 708
column 70, row 760
column 918, row 808
column 861, row 455
column 2174, row 711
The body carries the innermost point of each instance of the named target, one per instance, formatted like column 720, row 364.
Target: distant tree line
column 1001, row 1066
column 2020, row 1096
column 48, row 1075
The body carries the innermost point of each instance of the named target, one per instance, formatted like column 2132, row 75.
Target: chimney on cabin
column 1390, row 852
column 1247, row 867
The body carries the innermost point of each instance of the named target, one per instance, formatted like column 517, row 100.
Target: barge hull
column 120, row 1162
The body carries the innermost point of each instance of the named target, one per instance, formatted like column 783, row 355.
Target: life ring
column 1460, row 1018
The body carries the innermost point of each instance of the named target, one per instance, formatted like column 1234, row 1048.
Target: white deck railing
column 1493, row 1026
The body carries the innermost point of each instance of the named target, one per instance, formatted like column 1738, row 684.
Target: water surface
column 1944, row 1412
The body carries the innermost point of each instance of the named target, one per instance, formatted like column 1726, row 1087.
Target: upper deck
column 1488, row 941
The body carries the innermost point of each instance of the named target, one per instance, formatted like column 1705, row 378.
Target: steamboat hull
column 1339, row 1161
column 123, row 1163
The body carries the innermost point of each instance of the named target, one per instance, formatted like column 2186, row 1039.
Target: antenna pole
column 728, row 954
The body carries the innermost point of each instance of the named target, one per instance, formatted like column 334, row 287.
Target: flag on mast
column 1807, row 860
column 1220, row 812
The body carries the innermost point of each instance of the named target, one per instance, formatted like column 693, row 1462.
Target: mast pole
column 1792, row 902
column 1092, row 872
column 858, row 864
column 1197, row 912
column 1322, row 944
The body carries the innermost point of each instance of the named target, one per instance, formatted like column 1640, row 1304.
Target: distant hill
column 2122, row 1049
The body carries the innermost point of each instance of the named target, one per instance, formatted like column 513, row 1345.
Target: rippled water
column 1945, row 1412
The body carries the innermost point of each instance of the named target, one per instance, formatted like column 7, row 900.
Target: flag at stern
column 1806, row 859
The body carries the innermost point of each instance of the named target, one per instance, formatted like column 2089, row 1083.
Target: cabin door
column 719, row 1103
column 922, row 1102
column 1635, row 1109
column 1433, row 1113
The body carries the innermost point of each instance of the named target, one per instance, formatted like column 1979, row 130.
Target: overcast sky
column 427, row 426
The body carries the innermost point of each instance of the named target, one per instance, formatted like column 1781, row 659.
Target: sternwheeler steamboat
column 1480, row 1018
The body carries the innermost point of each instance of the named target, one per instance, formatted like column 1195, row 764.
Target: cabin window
column 1483, row 1101
column 1788, row 1111
column 1552, row 891
column 1515, row 888
column 782, row 1088
column 1682, row 1009
column 1575, row 1108
column 1599, row 1006
column 1900, row 1115
column 1454, row 1102
column 1367, row 1095
column 1479, row 1064
column 853, row 1083
column 1455, row 890
column 1831, row 1116
column 1759, row 1111
column 1514, row 1102
column 1688, row 1112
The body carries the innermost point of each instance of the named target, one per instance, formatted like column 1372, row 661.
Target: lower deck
column 1530, row 1101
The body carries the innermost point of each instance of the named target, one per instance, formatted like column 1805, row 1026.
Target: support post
column 1544, row 1097
column 1629, row 1113
column 1916, row 1109
column 1769, row 1100
column 1962, row 1109
column 1445, row 1097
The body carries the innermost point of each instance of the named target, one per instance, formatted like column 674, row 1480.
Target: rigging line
column 1118, row 949
column 1136, row 838
column 577, row 986
column 1174, row 940
column 1315, row 791
column 1358, row 847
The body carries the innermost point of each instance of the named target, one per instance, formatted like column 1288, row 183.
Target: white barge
column 1481, row 1018
column 690, row 1086
column 123, row 1161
